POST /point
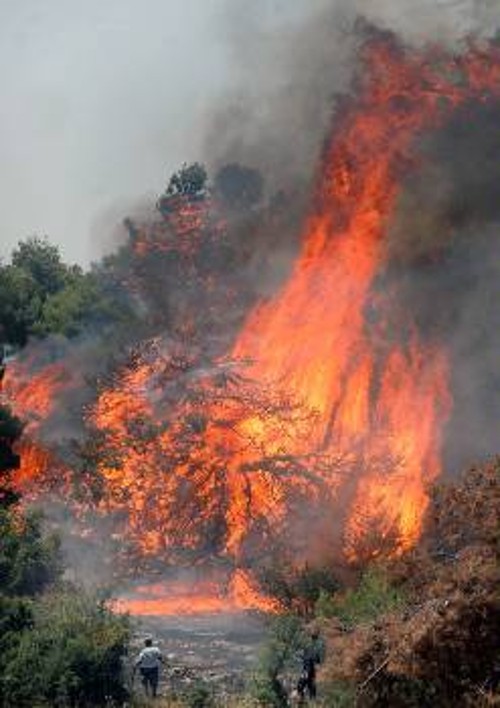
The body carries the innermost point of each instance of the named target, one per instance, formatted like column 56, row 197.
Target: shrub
column 339, row 694
column 29, row 560
column 199, row 696
column 286, row 640
column 441, row 646
column 71, row 655
column 374, row 596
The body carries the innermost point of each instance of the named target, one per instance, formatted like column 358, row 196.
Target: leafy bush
column 69, row 654
column 189, row 180
column 199, row 696
column 41, row 295
column 59, row 648
column 29, row 560
column 374, row 596
column 286, row 640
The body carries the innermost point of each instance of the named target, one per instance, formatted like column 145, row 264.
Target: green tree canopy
column 41, row 295
column 42, row 261
column 189, row 180
column 10, row 430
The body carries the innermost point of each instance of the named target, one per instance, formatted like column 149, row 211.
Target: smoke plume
column 288, row 74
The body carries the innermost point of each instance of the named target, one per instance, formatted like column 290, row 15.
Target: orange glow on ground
column 162, row 599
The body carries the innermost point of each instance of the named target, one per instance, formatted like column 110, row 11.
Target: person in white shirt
column 148, row 662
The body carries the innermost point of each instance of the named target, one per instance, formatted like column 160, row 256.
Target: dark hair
column 148, row 642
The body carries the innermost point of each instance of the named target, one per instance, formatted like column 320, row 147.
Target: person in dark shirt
column 312, row 656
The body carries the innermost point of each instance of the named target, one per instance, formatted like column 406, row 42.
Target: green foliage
column 71, row 655
column 310, row 582
column 64, row 311
column 267, row 690
column 41, row 295
column 10, row 430
column 80, row 304
column 189, row 180
column 36, row 272
column 339, row 694
column 374, row 596
column 41, row 261
column 56, row 648
column 29, row 560
column 20, row 304
column 199, row 696
column 286, row 640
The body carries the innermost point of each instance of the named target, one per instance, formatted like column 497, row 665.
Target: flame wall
column 332, row 403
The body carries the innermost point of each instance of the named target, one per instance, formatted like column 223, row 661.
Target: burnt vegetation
column 438, row 644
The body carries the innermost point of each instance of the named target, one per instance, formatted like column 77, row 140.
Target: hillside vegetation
column 437, row 640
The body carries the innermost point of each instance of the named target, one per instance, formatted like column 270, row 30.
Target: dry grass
column 442, row 646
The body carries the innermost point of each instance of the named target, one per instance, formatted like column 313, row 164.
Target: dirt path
column 219, row 650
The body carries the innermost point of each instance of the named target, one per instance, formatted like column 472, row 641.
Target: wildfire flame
column 330, row 395
column 163, row 599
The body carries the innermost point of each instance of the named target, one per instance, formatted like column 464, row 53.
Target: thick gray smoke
column 288, row 73
column 445, row 239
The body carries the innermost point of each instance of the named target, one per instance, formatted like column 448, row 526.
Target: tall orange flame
column 322, row 398
column 378, row 402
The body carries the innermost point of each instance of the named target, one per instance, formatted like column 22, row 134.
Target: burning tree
column 178, row 453
column 234, row 424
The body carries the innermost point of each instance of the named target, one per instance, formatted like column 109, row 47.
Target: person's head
column 148, row 642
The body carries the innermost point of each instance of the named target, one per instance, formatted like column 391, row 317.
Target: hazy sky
column 101, row 100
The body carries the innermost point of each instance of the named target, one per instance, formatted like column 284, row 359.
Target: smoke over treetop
column 290, row 66
column 103, row 101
